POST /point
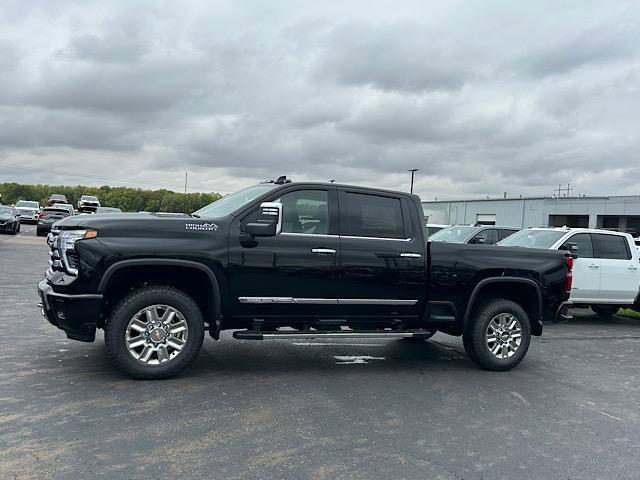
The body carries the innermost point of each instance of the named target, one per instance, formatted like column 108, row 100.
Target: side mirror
column 481, row 240
column 572, row 248
column 269, row 222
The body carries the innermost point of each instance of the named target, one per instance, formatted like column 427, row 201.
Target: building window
column 573, row 221
column 484, row 219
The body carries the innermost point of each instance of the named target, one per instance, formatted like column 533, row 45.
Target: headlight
column 66, row 241
column 68, row 238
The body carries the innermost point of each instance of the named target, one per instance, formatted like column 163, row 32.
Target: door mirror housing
column 480, row 241
column 269, row 222
column 572, row 248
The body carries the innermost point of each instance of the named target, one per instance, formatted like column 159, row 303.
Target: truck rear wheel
column 498, row 337
column 154, row 332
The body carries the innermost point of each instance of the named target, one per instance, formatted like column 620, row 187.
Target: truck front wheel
column 154, row 332
column 499, row 335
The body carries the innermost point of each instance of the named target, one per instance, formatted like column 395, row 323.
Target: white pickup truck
column 606, row 272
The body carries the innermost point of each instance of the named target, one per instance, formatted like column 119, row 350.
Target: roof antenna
column 282, row 180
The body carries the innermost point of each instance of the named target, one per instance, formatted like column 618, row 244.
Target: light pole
column 413, row 171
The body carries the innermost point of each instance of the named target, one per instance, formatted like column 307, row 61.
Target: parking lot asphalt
column 313, row 409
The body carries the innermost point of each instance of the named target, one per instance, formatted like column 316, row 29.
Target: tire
column 478, row 341
column 18, row 228
column 125, row 321
column 605, row 310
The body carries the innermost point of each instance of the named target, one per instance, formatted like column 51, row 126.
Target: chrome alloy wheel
column 503, row 335
column 156, row 334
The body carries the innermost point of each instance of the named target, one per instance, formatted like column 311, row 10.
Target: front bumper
column 76, row 315
column 28, row 217
column 7, row 226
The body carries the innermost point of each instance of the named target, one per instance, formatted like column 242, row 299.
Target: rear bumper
column 76, row 315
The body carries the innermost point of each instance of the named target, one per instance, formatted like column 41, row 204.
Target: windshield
column 453, row 234
column 89, row 198
column 6, row 210
column 26, row 204
column 533, row 238
column 234, row 201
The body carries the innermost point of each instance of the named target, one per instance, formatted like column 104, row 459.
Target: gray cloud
column 481, row 98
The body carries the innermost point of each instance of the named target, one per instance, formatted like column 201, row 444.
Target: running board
column 254, row 335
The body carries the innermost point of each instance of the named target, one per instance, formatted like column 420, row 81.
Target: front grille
column 55, row 261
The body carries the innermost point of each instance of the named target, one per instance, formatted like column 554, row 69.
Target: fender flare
column 486, row 281
column 215, row 302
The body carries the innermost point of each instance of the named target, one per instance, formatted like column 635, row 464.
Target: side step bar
column 255, row 335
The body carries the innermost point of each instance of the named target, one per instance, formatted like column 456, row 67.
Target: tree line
column 125, row 198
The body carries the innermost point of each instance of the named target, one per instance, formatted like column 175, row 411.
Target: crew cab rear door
column 620, row 275
column 586, row 269
column 382, row 256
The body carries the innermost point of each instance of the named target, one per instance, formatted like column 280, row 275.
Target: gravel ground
column 316, row 409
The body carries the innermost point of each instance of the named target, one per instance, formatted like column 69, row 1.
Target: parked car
column 66, row 206
column 56, row 198
column 9, row 219
column 48, row 217
column 434, row 227
column 283, row 255
column 88, row 203
column 108, row 210
column 28, row 210
column 473, row 234
column 606, row 271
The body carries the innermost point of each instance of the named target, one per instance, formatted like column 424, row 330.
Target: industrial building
column 612, row 213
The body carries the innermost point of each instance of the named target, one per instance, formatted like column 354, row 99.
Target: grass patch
column 627, row 312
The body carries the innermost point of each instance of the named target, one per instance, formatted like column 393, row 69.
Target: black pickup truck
column 291, row 260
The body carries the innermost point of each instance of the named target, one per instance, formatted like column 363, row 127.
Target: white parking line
column 600, row 411
column 355, row 359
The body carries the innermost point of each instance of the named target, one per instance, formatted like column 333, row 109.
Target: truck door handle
column 323, row 251
column 632, row 267
column 410, row 255
column 594, row 265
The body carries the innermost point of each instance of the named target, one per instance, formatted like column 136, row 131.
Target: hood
column 142, row 224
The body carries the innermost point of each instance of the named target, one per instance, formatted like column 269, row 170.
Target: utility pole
column 185, row 192
column 413, row 171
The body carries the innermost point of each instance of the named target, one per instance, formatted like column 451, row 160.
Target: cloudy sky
column 482, row 97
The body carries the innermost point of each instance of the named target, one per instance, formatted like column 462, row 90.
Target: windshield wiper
column 195, row 215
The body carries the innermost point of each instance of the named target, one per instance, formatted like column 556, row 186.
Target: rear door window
column 613, row 247
column 505, row 232
column 365, row 215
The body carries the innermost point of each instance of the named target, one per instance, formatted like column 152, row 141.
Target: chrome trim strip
column 316, row 235
column 80, row 295
column 279, row 300
column 376, row 238
column 375, row 301
column 326, row 301
column 410, row 255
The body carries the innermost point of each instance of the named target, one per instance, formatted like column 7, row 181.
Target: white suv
column 606, row 272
